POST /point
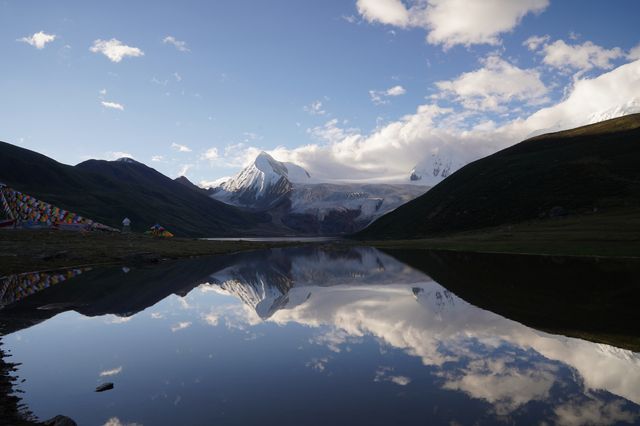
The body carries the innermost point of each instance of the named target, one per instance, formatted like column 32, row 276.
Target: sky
column 358, row 90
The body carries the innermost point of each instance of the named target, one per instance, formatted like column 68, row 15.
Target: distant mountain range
column 108, row 191
column 589, row 169
column 293, row 200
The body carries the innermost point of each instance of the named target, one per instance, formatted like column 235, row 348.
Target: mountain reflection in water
column 301, row 336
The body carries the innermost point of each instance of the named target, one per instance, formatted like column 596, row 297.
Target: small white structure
column 126, row 225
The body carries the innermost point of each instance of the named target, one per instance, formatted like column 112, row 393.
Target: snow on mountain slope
column 370, row 200
column 262, row 183
column 572, row 121
column 288, row 193
column 630, row 107
column 437, row 166
column 264, row 282
column 433, row 169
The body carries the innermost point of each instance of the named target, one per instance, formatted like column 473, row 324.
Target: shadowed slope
column 107, row 191
column 591, row 169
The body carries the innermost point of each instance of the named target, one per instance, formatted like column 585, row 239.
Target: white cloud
column 181, row 326
column 234, row 316
column 211, row 154
column 494, row 85
column 112, row 372
column 392, row 12
column 114, row 49
column 184, row 169
column 159, row 82
column 112, row 105
column 396, row 91
column 239, row 154
column 634, row 53
column 464, row 22
column 332, row 132
column 438, row 327
column 350, row 19
column 251, row 136
column 383, row 375
column 390, row 151
column 582, row 57
column 39, row 39
column 400, row 380
column 115, row 155
column 315, row 108
column 103, row 92
column 593, row 412
column 177, row 76
column 452, row 22
column 180, row 148
column 318, row 364
column 114, row 421
column 378, row 97
column 115, row 319
column 180, row 45
column 589, row 100
column 212, row 318
column 157, row 158
column 505, row 385
column 534, row 42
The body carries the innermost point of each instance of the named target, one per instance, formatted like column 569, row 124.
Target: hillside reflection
column 331, row 303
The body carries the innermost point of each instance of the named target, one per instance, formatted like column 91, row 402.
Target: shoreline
column 24, row 251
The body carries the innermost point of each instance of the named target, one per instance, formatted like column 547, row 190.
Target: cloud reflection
column 472, row 350
column 112, row 372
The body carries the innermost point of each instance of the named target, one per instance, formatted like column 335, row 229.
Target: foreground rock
column 104, row 387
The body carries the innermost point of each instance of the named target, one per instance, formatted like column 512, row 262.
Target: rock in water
column 104, row 387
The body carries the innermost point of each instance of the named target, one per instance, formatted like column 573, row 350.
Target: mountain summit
column 262, row 183
column 294, row 201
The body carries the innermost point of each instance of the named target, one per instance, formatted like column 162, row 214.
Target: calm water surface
column 297, row 337
column 278, row 239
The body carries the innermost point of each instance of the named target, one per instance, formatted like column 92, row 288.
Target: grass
column 31, row 250
column 611, row 234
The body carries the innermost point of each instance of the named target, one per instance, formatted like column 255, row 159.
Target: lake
column 292, row 239
column 328, row 336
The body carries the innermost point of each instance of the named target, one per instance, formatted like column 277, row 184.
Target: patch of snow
column 434, row 169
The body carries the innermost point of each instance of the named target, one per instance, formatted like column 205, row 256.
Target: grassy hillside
column 589, row 170
column 107, row 191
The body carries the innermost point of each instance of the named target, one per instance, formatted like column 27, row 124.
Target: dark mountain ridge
column 587, row 170
column 108, row 191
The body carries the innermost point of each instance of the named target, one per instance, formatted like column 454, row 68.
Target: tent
column 159, row 231
column 25, row 211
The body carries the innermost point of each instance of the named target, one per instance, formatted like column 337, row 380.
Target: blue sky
column 357, row 89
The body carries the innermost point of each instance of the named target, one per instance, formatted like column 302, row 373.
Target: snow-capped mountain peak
column 262, row 183
column 300, row 205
